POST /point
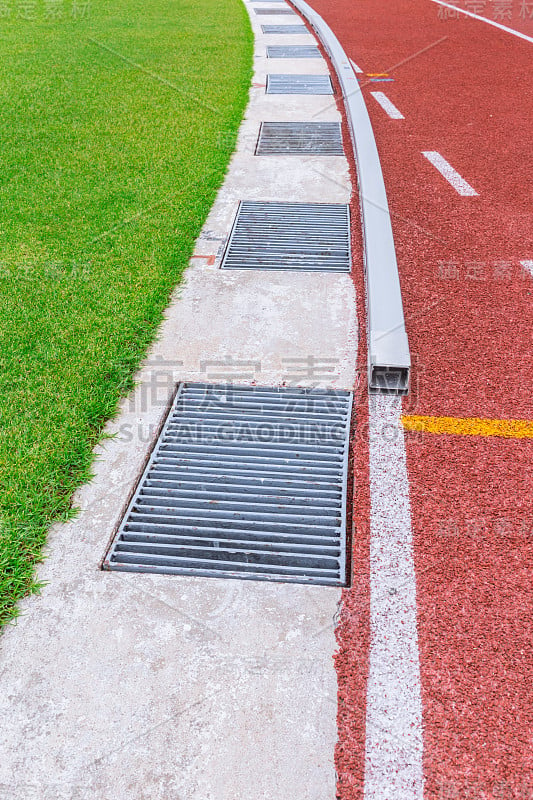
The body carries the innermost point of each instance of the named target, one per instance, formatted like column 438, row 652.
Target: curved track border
column 389, row 360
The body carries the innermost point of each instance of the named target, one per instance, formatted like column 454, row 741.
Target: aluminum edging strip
column 388, row 346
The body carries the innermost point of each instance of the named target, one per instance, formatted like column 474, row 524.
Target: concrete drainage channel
column 125, row 686
column 266, row 497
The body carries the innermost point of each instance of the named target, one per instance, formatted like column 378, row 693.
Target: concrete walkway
column 118, row 686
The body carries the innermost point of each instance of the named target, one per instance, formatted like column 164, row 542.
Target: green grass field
column 117, row 122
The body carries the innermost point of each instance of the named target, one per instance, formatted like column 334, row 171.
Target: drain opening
column 293, row 51
column 243, row 482
column 299, row 84
column 310, row 237
column 389, row 380
column 295, row 138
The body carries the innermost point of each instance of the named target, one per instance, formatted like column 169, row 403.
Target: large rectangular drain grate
column 293, row 51
column 289, row 29
column 297, row 138
column 310, row 237
column 243, row 482
column 299, row 84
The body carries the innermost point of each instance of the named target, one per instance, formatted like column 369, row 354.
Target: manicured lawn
column 116, row 123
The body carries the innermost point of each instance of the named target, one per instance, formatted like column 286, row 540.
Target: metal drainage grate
column 310, row 237
column 276, row 11
column 293, row 51
column 244, row 482
column 292, row 29
column 295, row 138
column 299, row 84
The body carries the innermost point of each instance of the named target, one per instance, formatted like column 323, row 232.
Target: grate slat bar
column 243, row 507
column 259, row 544
column 258, row 498
column 193, row 563
column 185, row 476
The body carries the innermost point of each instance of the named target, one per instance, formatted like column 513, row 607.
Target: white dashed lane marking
column 354, row 65
column 387, row 105
column 447, row 171
column 528, row 264
column 484, row 19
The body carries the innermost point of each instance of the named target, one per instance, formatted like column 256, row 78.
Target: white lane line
column 484, row 19
column 528, row 265
column 354, row 65
column 387, row 105
column 394, row 745
column 447, row 171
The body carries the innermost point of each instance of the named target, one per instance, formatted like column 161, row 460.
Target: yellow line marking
column 508, row 428
column 377, row 74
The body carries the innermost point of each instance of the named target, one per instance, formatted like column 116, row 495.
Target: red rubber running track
column 465, row 91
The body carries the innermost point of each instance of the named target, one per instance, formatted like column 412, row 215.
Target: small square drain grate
column 243, row 482
column 289, row 29
column 299, row 84
column 309, row 237
column 276, row 11
column 293, row 51
column 297, row 138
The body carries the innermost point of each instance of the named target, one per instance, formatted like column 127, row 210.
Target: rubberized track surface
column 464, row 89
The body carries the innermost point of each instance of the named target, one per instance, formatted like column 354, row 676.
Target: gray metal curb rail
column 389, row 360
